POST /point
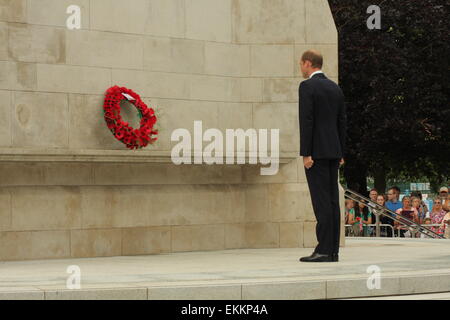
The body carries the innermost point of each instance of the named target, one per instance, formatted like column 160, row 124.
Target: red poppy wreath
column 132, row 138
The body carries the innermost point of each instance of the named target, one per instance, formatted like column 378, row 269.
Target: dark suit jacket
column 322, row 118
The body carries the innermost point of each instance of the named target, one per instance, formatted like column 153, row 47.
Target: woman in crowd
column 446, row 225
column 437, row 215
column 420, row 207
column 359, row 219
column 349, row 209
column 408, row 212
column 381, row 200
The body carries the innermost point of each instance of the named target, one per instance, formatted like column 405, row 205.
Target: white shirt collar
column 315, row 72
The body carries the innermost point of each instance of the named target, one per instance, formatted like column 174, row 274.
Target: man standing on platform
column 322, row 143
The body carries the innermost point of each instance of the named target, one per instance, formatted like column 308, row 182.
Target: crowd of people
column 360, row 217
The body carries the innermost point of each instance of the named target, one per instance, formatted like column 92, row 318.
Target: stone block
column 4, row 40
column 210, row 204
column 282, row 116
column 174, row 55
column 40, row 120
column 235, row 116
column 214, row 88
column 422, row 284
column 251, row 89
column 271, row 60
column 309, row 234
column 5, row 119
column 227, row 59
column 216, row 14
column 257, row 203
column 176, row 114
column 132, row 79
column 17, row 75
column 13, row 10
column 166, row 85
column 88, row 128
column 287, row 173
column 320, row 27
column 5, row 209
column 45, row 174
column 104, row 49
column 68, row 174
column 212, row 292
column 284, row 202
column 281, row 90
column 235, row 236
column 29, row 245
column 73, row 79
column 262, row 235
column 95, row 243
column 198, row 237
column 346, row 288
column 262, row 21
column 25, row 294
column 305, row 290
column 166, row 18
column 147, row 240
column 291, row 235
column 32, row 43
column 46, row 208
column 119, row 16
column 98, row 294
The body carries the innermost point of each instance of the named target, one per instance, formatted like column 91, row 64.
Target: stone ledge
column 95, row 155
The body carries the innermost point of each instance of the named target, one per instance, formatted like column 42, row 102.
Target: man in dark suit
column 322, row 144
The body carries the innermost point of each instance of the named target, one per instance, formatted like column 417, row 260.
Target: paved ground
column 428, row 296
column 406, row 266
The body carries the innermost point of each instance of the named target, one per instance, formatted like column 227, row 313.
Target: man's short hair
column 314, row 56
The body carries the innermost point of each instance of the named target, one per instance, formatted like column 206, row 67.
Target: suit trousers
column 322, row 180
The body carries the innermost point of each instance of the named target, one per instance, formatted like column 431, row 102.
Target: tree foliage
column 396, row 81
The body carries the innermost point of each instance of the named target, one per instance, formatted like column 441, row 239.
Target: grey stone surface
column 406, row 266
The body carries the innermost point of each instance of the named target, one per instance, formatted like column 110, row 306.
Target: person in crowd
column 393, row 205
column 443, row 194
column 349, row 210
column 437, row 215
column 408, row 212
column 373, row 193
column 360, row 219
column 420, row 207
column 445, row 225
column 381, row 200
column 397, row 192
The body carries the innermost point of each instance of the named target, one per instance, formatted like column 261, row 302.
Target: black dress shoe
column 317, row 257
column 335, row 257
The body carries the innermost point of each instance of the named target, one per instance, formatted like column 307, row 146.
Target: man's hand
column 341, row 162
column 308, row 162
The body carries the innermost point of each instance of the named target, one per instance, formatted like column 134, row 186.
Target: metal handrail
column 390, row 214
column 374, row 225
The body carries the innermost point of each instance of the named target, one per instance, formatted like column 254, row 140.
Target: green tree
column 397, row 82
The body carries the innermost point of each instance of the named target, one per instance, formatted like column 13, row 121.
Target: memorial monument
column 70, row 189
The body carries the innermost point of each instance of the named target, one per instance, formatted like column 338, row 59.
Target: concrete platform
column 407, row 266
